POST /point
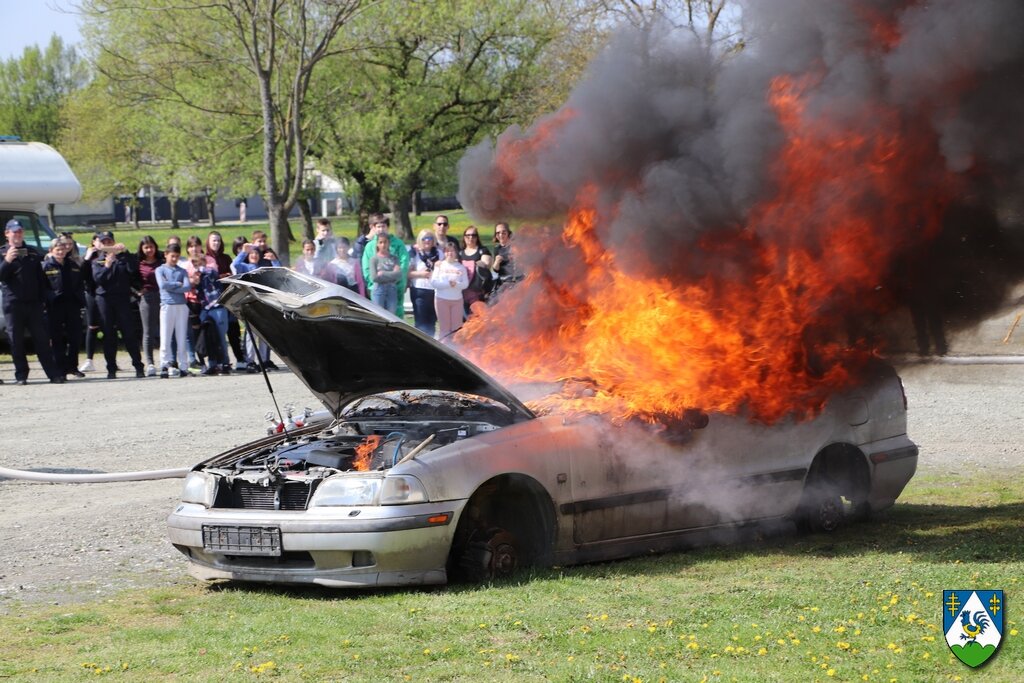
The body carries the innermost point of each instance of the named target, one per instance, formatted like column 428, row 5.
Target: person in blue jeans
column 385, row 271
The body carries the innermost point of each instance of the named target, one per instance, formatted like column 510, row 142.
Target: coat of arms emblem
column 973, row 623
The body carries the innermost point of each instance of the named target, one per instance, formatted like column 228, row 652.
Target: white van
column 32, row 175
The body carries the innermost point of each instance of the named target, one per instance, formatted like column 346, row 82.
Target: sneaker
column 150, row 370
column 209, row 371
column 163, row 373
column 270, row 365
column 87, row 366
column 78, row 373
column 140, row 373
column 57, row 380
column 195, row 365
column 252, row 368
column 225, row 369
column 111, row 375
column 173, row 372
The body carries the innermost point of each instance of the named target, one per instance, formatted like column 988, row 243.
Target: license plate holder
column 242, row 540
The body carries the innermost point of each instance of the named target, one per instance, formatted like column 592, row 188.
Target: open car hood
column 344, row 347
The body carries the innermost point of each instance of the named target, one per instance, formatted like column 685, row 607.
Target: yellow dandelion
column 843, row 645
column 762, row 651
column 511, row 658
column 780, row 641
column 831, row 672
column 692, row 646
column 800, row 617
column 840, row 629
column 1013, row 631
column 603, row 617
column 426, row 651
column 816, row 629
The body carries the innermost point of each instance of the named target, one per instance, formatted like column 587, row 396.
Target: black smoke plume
column 681, row 145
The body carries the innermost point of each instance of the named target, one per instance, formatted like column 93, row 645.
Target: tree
column 35, row 86
column 246, row 60
column 715, row 23
column 421, row 82
column 106, row 144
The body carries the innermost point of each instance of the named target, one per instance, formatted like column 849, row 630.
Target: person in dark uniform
column 113, row 275
column 92, row 313
column 24, row 287
column 64, row 303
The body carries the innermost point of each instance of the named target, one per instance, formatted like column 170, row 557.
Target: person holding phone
column 24, row 288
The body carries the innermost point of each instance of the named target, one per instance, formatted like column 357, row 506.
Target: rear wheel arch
column 836, row 488
column 507, row 525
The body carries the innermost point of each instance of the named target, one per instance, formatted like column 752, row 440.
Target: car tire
column 822, row 509
column 490, row 555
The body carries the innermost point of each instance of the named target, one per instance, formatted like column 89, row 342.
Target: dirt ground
column 72, row 542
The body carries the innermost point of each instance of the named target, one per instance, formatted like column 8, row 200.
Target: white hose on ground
column 99, row 478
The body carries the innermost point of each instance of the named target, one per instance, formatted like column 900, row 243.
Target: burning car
column 430, row 470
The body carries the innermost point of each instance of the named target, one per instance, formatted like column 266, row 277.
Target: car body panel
column 588, row 489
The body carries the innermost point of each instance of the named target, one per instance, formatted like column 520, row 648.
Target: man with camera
column 24, row 287
column 113, row 274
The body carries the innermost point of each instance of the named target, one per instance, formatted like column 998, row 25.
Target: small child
column 307, row 264
column 173, row 282
column 449, row 279
column 386, row 273
column 341, row 270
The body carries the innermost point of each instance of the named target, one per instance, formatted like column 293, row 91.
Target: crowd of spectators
column 173, row 293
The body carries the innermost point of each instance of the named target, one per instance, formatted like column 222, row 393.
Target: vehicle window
column 36, row 233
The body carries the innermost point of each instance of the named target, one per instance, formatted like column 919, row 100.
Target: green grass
column 344, row 225
column 864, row 604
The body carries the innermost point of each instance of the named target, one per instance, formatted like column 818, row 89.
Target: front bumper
column 397, row 545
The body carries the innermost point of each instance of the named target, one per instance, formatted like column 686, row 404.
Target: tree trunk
column 209, row 209
column 280, row 231
column 174, row 213
column 307, row 219
column 417, row 203
column 135, row 213
column 400, row 221
column 369, row 199
column 51, row 217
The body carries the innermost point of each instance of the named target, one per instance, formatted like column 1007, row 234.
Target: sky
column 32, row 22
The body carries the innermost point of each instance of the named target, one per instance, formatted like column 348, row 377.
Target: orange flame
column 364, row 452
column 768, row 339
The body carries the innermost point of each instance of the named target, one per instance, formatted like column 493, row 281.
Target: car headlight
column 354, row 491
column 200, row 487
column 347, row 491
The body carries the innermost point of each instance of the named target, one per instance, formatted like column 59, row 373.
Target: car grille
column 292, row 495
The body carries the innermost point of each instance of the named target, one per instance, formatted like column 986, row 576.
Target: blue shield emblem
column 973, row 624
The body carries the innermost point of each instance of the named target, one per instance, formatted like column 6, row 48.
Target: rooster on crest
column 972, row 631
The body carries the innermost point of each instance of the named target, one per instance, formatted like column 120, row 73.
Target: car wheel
column 822, row 509
column 491, row 554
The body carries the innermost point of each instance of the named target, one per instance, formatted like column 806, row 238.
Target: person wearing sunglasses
column 476, row 258
column 504, row 265
column 441, row 236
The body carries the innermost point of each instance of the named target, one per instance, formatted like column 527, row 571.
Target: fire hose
column 96, row 478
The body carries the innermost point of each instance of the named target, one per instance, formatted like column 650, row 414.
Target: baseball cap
column 14, row 224
column 105, row 235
